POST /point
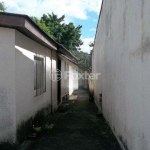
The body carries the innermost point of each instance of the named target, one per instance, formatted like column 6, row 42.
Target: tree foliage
column 42, row 25
column 2, row 7
column 91, row 44
column 84, row 58
column 66, row 34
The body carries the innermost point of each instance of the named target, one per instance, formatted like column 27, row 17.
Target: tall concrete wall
column 7, row 85
column 122, row 56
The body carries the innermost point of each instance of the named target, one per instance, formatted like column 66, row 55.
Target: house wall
column 26, row 103
column 73, row 78
column 69, row 84
column 90, row 84
column 7, row 85
column 83, row 81
column 54, row 83
column 86, row 83
column 122, row 56
column 91, row 80
column 64, row 79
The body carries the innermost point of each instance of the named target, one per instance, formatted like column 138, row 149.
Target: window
column 39, row 75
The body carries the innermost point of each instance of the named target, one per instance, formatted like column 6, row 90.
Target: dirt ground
column 77, row 129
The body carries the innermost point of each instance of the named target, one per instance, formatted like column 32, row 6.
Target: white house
column 70, row 77
column 29, row 59
column 122, row 56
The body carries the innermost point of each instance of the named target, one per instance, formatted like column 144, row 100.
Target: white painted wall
column 64, row 79
column 122, row 55
column 54, row 83
column 91, row 80
column 70, row 84
column 83, row 82
column 26, row 103
column 7, row 85
column 73, row 78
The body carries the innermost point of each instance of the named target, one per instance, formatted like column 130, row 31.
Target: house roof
column 71, row 60
column 64, row 51
column 25, row 25
column 83, row 68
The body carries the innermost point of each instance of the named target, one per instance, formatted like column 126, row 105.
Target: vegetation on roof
column 2, row 7
column 66, row 34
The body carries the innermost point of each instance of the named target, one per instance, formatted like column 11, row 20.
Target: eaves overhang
column 25, row 25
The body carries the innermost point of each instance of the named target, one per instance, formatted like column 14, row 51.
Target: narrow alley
column 77, row 129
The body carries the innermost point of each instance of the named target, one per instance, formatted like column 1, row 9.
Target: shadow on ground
column 77, row 129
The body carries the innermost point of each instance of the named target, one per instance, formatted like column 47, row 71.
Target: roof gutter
column 64, row 51
column 25, row 25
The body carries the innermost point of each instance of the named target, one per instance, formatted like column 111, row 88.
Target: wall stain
column 143, row 49
column 142, row 9
column 124, row 20
column 5, row 111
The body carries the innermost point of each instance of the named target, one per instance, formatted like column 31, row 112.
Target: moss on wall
column 25, row 127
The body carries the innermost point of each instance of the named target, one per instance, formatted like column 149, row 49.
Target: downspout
column 51, row 84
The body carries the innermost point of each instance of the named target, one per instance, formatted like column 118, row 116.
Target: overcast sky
column 80, row 12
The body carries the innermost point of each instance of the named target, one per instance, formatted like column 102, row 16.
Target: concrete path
column 77, row 129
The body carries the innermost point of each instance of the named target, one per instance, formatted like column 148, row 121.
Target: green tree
column 2, row 7
column 84, row 58
column 71, row 37
column 66, row 34
column 42, row 25
column 91, row 44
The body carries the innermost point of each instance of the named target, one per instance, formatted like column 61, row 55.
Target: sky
column 80, row 12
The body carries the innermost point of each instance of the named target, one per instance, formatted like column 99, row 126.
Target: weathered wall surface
column 54, row 83
column 26, row 103
column 73, row 78
column 83, row 82
column 64, row 78
column 122, row 56
column 7, row 85
column 68, row 71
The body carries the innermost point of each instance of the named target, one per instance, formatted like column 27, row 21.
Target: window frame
column 39, row 64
